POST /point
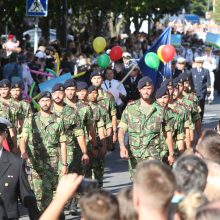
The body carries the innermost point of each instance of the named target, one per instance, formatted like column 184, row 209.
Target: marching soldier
column 144, row 120
column 106, row 101
column 43, row 132
column 98, row 154
column 85, row 115
column 10, row 110
column 73, row 128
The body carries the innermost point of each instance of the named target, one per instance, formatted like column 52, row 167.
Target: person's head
column 169, row 84
column 162, row 96
column 191, row 174
column 211, row 211
column 5, row 88
column 208, row 146
column 99, row 205
column 4, row 126
column 126, row 57
column 186, row 82
column 145, row 88
column 16, row 90
column 81, row 90
column 175, row 89
column 96, row 78
column 179, row 81
column 199, row 62
column 154, row 186
column 44, row 100
column 125, row 199
column 58, row 93
column 188, row 206
column 181, row 63
column 11, row 37
column 92, row 93
column 70, row 89
column 109, row 73
column 135, row 71
column 208, row 51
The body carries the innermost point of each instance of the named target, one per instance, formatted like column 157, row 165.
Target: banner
column 176, row 39
column 47, row 85
column 212, row 39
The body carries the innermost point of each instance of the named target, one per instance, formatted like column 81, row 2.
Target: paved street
column 116, row 172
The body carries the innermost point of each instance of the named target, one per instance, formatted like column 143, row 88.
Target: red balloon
column 116, row 53
column 168, row 52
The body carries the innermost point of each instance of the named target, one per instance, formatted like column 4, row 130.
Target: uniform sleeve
column 26, row 128
column 78, row 130
column 88, row 117
column 62, row 137
column 112, row 106
column 167, row 121
column 124, row 120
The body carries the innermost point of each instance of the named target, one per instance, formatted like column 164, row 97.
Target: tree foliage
column 93, row 17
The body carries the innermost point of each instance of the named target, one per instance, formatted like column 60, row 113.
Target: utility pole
column 64, row 24
column 149, row 17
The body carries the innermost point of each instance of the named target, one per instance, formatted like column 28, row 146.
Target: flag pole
column 126, row 76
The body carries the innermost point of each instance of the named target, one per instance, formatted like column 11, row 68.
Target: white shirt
column 209, row 63
column 111, row 87
column 1, row 149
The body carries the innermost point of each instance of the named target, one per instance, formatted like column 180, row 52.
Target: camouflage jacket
column 85, row 115
column 144, row 128
column 72, row 124
column 107, row 101
column 43, row 136
column 10, row 110
column 192, row 102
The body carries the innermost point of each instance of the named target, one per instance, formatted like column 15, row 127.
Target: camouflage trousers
column 44, row 180
column 98, row 167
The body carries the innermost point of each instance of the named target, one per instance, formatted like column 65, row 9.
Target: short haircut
column 99, row 205
column 126, row 207
column 156, row 181
column 191, row 173
column 209, row 146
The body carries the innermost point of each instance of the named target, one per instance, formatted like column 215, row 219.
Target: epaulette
column 131, row 103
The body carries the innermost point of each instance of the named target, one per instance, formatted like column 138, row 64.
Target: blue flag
column 163, row 70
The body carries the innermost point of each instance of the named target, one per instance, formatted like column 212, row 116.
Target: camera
column 87, row 185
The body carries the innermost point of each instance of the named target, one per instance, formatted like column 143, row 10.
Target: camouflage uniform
column 98, row 163
column 43, row 136
column 12, row 112
column 106, row 101
column 85, row 116
column 192, row 102
column 73, row 129
column 144, row 128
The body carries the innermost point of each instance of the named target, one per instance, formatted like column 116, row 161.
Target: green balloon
column 103, row 60
column 152, row 60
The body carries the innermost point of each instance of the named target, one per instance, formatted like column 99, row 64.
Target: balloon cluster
column 165, row 54
column 99, row 45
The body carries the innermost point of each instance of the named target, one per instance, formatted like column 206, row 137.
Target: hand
column 64, row 170
column 104, row 150
column 114, row 137
column 171, row 160
column 124, row 152
column 24, row 156
column 85, row 159
column 67, row 187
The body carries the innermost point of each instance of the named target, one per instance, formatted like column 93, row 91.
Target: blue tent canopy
column 192, row 18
